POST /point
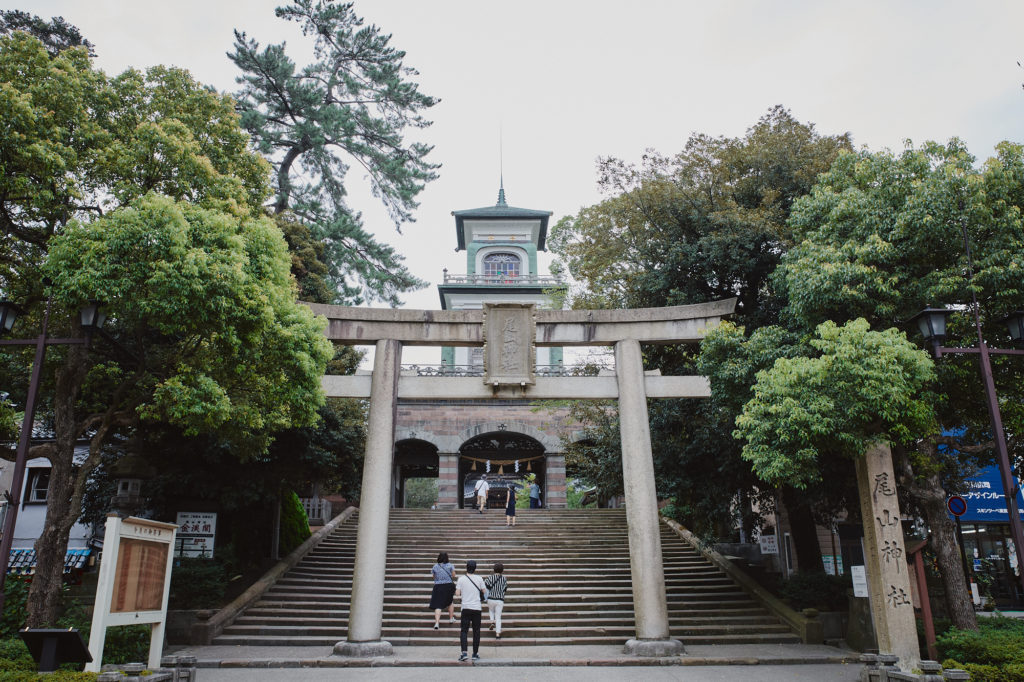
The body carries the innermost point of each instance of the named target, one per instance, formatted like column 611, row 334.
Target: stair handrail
column 204, row 632
column 806, row 625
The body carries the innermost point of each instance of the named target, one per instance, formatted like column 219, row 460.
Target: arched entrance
column 414, row 458
column 507, row 457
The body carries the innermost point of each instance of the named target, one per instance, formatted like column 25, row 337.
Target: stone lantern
column 128, row 473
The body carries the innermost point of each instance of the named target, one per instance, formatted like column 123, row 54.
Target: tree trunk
column 947, row 551
column 804, row 533
column 930, row 498
column 45, row 597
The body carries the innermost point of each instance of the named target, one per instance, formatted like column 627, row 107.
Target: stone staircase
column 568, row 574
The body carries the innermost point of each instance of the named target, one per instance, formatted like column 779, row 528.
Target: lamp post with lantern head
column 92, row 318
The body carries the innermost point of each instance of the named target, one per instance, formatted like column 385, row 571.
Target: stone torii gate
column 510, row 334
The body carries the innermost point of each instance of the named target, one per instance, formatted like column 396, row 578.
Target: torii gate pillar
column 366, row 610
column 649, row 606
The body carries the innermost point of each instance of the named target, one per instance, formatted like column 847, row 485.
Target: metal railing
column 446, row 370
column 520, row 280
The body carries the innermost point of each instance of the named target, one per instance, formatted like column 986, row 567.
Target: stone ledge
column 452, row 661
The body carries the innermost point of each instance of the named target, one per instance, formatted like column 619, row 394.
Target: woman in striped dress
column 496, row 586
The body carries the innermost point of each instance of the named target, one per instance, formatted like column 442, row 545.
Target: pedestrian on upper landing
column 473, row 593
column 443, row 595
column 496, row 586
column 510, row 506
column 534, row 495
column 481, row 488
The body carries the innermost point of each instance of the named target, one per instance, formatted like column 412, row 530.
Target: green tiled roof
column 500, row 211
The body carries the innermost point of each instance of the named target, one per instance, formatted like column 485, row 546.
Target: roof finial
column 501, row 168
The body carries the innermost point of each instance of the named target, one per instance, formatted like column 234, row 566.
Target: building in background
column 457, row 441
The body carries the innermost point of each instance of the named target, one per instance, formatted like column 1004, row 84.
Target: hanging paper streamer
column 517, row 466
column 488, row 466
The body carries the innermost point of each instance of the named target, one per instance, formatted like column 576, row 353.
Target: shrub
column 999, row 641
column 197, row 583
column 294, row 523
column 17, row 665
column 56, row 676
column 127, row 643
column 817, row 591
column 14, row 655
column 1013, row 672
column 15, row 610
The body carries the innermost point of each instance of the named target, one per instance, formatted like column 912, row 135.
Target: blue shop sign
column 986, row 502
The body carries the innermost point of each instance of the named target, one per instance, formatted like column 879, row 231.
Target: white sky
column 568, row 82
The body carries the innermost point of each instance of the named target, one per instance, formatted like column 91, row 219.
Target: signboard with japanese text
column 769, row 544
column 833, row 564
column 196, row 534
column 860, row 581
column 134, row 582
column 986, row 502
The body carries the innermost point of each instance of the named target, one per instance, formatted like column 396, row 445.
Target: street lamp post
column 932, row 324
column 92, row 318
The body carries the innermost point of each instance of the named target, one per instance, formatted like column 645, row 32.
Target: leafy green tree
column 56, row 34
column 209, row 339
column 881, row 237
column 351, row 105
column 420, row 493
column 864, row 387
column 705, row 224
column 140, row 190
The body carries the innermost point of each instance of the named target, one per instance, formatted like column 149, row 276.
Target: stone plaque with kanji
column 509, row 351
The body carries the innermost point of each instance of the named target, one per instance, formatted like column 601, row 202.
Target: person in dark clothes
column 473, row 593
column 443, row 595
column 510, row 506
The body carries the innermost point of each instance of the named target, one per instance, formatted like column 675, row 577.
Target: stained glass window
column 501, row 265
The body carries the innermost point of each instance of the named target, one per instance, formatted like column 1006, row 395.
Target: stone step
column 570, row 569
column 710, row 609
column 507, row 639
column 413, row 618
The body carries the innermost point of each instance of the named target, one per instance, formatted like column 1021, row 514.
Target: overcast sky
column 568, row 82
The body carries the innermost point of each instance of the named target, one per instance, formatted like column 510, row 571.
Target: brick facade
column 448, row 424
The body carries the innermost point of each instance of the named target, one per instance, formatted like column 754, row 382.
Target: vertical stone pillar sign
column 892, row 608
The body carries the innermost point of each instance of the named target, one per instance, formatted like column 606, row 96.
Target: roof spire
column 501, row 167
column 501, row 194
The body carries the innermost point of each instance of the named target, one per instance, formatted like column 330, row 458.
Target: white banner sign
column 860, row 581
column 196, row 534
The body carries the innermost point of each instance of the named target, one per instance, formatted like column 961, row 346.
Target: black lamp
column 1015, row 324
column 932, row 324
column 93, row 316
column 8, row 314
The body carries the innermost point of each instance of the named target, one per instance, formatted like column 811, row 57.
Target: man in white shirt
column 481, row 488
column 473, row 592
